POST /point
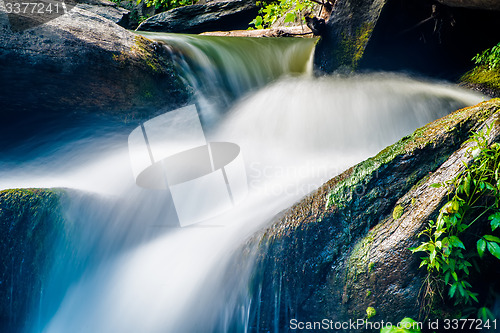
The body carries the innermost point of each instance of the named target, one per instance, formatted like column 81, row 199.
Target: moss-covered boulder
column 81, row 61
column 31, row 224
column 344, row 248
column 483, row 79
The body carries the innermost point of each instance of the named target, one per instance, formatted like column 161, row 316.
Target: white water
column 139, row 273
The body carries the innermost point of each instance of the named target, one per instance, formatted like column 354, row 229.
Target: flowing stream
column 128, row 267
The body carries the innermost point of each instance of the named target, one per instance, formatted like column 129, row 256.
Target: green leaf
column 290, row 17
column 436, row 185
column 494, row 249
column 484, row 313
column 456, row 242
column 388, row 329
column 454, row 274
column 481, row 247
column 452, row 290
column 408, row 325
column 467, row 184
column 491, row 238
column 495, row 220
column 447, row 277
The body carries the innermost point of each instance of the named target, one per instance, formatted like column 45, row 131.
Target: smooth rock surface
column 106, row 9
column 82, row 62
column 212, row 16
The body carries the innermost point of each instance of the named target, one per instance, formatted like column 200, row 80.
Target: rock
column 486, row 81
column 106, row 9
column 420, row 36
column 82, row 62
column 476, row 4
column 272, row 32
column 30, row 227
column 213, row 16
column 344, row 248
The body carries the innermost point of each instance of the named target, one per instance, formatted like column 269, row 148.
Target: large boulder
column 83, row 62
column 107, row 9
column 212, row 16
column 421, row 36
column 344, row 248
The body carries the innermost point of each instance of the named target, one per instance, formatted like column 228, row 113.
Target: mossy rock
column 31, row 224
column 327, row 248
column 484, row 80
column 82, row 62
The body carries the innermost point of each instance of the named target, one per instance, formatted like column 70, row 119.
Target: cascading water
column 128, row 267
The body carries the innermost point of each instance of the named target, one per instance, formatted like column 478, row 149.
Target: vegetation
column 487, row 70
column 167, row 4
column 407, row 325
column 370, row 312
column 291, row 10
column 489, row 58
column 475, row 195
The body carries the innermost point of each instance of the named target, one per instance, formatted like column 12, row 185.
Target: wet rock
column 30, row 227
column 212, row 16
column 484, row 80
column 83, row 62
column 344, row 248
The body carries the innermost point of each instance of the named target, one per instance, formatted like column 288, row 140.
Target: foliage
column 142, row 18
column 475, row 194
column 489, row 58
column 407, row 325
column 272, row 11
column 167, row 4
column 370, row 312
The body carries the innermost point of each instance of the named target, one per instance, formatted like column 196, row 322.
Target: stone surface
column 30, row 227
column 106, row 9
column 213, row 16
column 486, row 81
column 83, row 62
column 320, row 258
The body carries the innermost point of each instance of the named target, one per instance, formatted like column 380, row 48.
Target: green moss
column 143, row 55
column 359, row 260
column 370, row 312
column 30, row 225
column 352, row 46
column 489, row 78
column 397, row 212
column 368, row 293
column 358, row 176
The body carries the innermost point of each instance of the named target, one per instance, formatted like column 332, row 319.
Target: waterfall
column 128, row 267
column 227, row 68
